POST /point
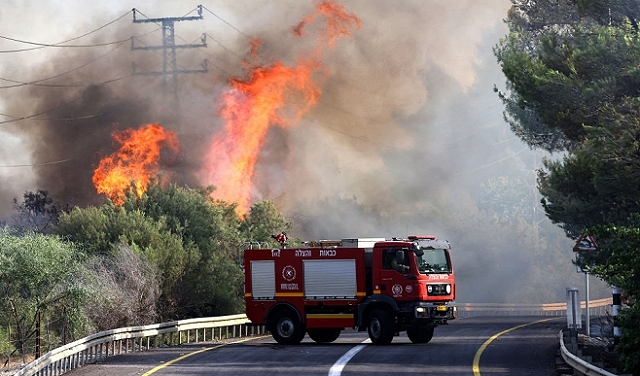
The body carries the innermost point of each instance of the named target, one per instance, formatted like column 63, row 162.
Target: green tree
column 262, row 221
column 6, row 347
column 103, row 230
column 618, row 263
column 38, row 275
column 38, row 211
column 191, row 240
column 577, row 76
column 193, row 214
column 214, row 287
column 209, row 228
column 212, row 284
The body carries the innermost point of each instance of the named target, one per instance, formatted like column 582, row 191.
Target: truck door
column 396, row 267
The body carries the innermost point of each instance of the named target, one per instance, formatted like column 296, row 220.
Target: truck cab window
column 397, row 259
column 388, row 259
column 434, row 261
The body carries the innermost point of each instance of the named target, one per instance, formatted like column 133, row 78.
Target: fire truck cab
column 381, row 286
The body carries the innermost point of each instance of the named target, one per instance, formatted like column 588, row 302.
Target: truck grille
column 438, row 289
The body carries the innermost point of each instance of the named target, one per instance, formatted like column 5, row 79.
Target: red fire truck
column 382, row 286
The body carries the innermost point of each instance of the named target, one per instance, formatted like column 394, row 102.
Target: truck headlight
column 422, row 312
column 448, row 289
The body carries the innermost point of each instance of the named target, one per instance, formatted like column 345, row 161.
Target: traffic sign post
column 574, row 318
column 585, row 243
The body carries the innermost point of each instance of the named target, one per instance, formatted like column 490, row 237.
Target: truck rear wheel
column 420, row 334
column 286, row 328
column 324, row 335
column 381, row 327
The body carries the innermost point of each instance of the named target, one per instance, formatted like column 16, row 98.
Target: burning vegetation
column 135, row 163
column 272, row 94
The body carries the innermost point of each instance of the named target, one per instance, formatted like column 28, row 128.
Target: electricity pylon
column 170, row 69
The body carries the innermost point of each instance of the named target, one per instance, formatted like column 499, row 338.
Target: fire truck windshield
column 433, row 261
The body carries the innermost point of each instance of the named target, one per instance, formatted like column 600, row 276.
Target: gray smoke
column 406, row 132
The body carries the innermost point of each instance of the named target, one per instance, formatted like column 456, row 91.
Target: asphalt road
column 474, row 346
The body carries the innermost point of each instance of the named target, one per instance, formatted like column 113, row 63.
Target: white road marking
column 337, row 367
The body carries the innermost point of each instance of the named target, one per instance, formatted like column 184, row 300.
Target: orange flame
column 276, row 94
column 339, row 22
column 135, row 163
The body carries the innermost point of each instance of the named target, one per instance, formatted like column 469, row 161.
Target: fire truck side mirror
column 401, row 266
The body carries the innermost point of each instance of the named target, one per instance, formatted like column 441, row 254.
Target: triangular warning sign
column 585, row 243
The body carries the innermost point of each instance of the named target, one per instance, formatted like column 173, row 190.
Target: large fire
column 136, row 162
column 274, row 94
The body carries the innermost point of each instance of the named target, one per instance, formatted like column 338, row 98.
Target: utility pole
column 170, row 69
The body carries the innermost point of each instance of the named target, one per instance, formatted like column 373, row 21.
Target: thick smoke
column 405, row 134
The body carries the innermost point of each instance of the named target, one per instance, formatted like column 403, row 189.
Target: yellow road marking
column 476, row 358
column 170, row 362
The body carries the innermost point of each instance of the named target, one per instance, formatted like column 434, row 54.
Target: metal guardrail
column 578, row 364
column 99, row 346
column 596, row 307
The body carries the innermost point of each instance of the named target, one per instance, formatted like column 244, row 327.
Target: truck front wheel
column 420, row 334
column 381, row 327
column 324, row 335
column 286, row 328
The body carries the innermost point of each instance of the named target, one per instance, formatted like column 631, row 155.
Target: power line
column 61, row 44
column 225, row 21
column 38, row 82
column 20, row 118
column 223, row 46
column 15, row 119
column 36, row 164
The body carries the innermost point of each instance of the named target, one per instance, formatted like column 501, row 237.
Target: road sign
column 585, row 243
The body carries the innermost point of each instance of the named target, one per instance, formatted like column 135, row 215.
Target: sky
column 406, row 132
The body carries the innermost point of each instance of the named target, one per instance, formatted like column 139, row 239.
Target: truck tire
column 420, row 334
column 381, row 327
column 324, row 335
column 285, row 327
